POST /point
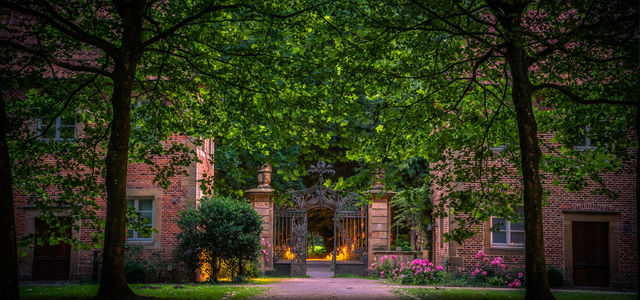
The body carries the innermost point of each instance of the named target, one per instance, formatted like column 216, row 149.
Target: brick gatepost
column 262, row 201
column 379, row 225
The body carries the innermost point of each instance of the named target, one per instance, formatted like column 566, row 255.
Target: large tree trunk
column 113, row 282
column 509, row 16
column 638, row 198
column 536, row 271
column 8, row 254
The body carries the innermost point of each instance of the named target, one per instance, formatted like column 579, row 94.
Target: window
column 508, row 233
column 144, row 206
column 63, row 128
column 584, row 140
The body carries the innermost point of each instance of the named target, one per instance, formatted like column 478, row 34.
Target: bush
column 223, row 232
column 402, row 241
column 419, row 271
column 141, row 268
column 135, row 271
column 494, row 272
column 556, row 279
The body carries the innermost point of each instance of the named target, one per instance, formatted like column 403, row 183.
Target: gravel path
column 321, row 285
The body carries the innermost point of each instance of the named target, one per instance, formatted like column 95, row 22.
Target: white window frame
column 508, row 231
column 134, row 237
column 587, row 141
column 56, row 126
column 499, row 148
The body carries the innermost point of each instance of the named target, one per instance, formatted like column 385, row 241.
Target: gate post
column 379, row 224
column 262, row 201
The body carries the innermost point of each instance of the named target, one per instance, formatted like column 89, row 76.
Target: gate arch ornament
column 349, row 222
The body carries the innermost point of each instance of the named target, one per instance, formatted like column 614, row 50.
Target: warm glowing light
column 288, row 255
column 342, row 254
column 205, row 269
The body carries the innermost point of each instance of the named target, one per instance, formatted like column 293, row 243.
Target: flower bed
column 418, row 271
column 487, row 272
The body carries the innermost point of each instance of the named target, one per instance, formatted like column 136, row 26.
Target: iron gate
column 349, row 224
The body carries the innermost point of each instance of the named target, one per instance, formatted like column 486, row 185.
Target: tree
column 9, row 252
column 201, row 63
column 459, row 78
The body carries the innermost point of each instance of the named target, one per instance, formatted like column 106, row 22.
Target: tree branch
column 186, row 21
column 55, row 61
column 576, row 98
column 64, row 25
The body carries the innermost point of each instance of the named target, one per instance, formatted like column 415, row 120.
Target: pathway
column 321, row 285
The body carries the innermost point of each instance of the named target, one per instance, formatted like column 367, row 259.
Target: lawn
column 164, row 291
column 488, row 294
column 258, row 280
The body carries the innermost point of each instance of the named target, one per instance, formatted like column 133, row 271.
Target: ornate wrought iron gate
column 350, row 225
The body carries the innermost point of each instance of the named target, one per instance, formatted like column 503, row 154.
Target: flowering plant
column 494, row 272
column 266, row 246
column 419, row 271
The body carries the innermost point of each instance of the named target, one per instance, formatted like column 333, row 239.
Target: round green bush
column 223, row 231
column 556, row 279
column 135, row 272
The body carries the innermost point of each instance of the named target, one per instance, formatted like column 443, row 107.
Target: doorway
column 50, row 262
column 590, row 253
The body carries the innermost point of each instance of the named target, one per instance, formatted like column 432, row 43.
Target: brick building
column 590, row 238
column 160, row 206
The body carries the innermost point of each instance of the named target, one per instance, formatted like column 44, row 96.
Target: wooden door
column 591, row 254
column 50, row 262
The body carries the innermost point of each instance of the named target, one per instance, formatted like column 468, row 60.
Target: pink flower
column 484, row 273
column 393, row 256
column 439, row 268
column 382, row 273
column 520, row 275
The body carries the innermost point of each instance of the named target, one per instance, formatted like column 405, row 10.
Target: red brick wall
column 559, row 201
column 183, row 192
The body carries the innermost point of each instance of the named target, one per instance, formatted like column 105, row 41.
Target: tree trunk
column 9, row 253
column 113, row 282
column 638, row 197
column 509, row 15
column 536, row 272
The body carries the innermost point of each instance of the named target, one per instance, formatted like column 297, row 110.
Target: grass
column 488, row 294
column 258, row 280
column 163, row 291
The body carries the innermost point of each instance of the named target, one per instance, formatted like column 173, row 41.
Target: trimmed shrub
column 223, row 232
column 556, row 279
column 142, row 267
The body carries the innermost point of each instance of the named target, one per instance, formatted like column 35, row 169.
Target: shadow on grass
column 488, row 294
column 144, row 291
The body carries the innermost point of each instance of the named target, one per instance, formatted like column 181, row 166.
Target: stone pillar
column 379, row 224
column 262, row 201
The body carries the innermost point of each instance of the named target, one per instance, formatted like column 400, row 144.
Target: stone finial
column 379, row 178
column 264, row 176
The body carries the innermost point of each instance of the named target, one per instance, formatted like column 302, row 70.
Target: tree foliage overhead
column 207, row 69
column 452, row 80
